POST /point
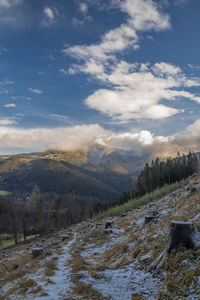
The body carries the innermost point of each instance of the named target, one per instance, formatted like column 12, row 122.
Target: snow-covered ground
column 61, row 281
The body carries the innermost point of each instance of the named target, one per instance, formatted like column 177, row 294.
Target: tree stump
column 65, row 237
column 181, row 235
column 98, row 225
column 155, row 213
column 149, row 219
column 109, row 224
column 37, row 252
column 108, row 231
column 152, row 205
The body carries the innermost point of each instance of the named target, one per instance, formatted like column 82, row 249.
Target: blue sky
column 122, row 73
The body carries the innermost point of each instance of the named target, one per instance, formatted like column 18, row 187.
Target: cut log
column 181, row 235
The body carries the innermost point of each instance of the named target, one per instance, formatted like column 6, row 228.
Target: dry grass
column 95, row 274
column 48, row 252
column 19, row 260
column 136, row 252
column 181, row 273
column 25, row 285
column 136, row 298
column 77, row 263
column 116, row 251
column 50, row 268
column 86, row 292
column 124, row 261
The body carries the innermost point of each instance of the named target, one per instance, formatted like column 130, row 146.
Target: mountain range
column 95, row 173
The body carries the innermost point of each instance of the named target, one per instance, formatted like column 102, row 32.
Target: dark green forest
column 159, row 173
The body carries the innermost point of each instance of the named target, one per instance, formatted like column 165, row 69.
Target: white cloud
column 5, row 4
column 5, row 121
column 67, row 138
column 138, row 94
column 166, row 69
column 86, row 136
column 83, row 7
column 10, row 14
column 142, row 15
column 21, row 98
column 137, row 89
column 9, row 105
column 3, row 50
column 180, row 2
column 145, row 15
column 50, row 15
column 63, row 71
column 35, row 91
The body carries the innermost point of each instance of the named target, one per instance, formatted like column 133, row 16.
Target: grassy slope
column 134, row 203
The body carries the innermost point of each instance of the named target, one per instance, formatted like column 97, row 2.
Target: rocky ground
column 87, row 262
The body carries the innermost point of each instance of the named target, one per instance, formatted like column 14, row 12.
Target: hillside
column 84, row 262
column 94, row 173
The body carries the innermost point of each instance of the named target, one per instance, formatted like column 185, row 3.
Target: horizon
column 121, row 74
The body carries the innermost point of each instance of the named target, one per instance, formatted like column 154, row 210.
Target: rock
column 36, row 252
column 109, row 224
column 65, row 237
column 149, row 219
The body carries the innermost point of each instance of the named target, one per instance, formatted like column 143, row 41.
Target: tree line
column 36, row 216
column 161, row 172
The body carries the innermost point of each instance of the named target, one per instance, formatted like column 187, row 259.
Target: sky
column 119, row 73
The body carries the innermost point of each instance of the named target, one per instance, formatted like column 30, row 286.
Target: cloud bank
column 87, row 136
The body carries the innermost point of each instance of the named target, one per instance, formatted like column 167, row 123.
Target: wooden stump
column 181, row 235
column 109, row 224
column 65, row 237
column 152, row 205
column 108, row 231
column 37, row 252
column 156, row 213
column 98, row 225
column 149, row 219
